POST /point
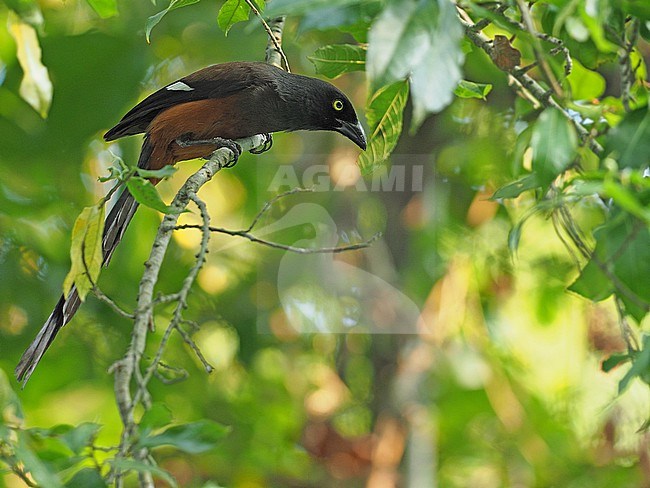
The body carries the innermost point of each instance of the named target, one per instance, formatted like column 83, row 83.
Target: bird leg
column 266, row 145
column 185, row 141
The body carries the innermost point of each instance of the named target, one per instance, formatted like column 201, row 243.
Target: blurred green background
column 501, row 384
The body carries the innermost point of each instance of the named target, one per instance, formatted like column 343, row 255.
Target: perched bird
column 193, row 117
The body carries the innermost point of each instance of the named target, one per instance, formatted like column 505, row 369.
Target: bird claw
column 220, row 142
column 234, row 147
column 266, row 145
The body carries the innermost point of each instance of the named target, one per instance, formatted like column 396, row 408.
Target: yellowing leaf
column 86, row 251
column 36, row 87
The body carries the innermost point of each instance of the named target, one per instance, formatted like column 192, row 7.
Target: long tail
column 116, row 223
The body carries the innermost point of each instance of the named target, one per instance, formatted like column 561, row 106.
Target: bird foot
column 266, row 145
column 220, row 142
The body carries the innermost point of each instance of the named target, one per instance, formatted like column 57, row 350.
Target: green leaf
column 35, row 87
column 86, row 251
column 630, row 140
column 9, row 402
column 155, row 19
column 420, row 40
column 592, row 283
column 584, row 187
column 518, row 152
column 164, row 172
column 6, row 434
column 146, row 194
column 554, row 143
column 231, row 12
column 140, row 467
column 585, row 84
column 352, row 19
column 80, row 436
column 514, row 236
column 618, row 265
column 626, row 199
column 614, row 360
column 336, row 59
column 640, row 366
column 637, row 8
column 87, row 478
column 516, row 188
column 39, row 470
column 469, row 89
column 193, row 438
column 104, row 8
column 301, row 7
column 385, row 118
column 157, row 417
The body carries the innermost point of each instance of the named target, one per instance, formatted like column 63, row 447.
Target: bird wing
column 217, row 81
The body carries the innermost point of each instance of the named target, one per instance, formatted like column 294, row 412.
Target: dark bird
column 193, row 117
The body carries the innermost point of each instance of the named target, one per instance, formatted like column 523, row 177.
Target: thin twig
column 246, row 233
column 626, row 330
column 285, row 247
column 272, row 201
column 543, row 97
column 188, row 340
column 186, row 287
column 23, row 476
column 537, row 49
column 127, row 369
column 575, row 234
column 274, row 32
column 181, row 374
column 99, row 294
column 160, row 298
column 483, row 23
column 274, row 47
column 625, row 63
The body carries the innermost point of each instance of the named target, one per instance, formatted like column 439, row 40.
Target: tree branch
column 127, row 369
column 285, row 247
column 274, row 53
column 625, row 63
column 542, row 96
column 537, row 49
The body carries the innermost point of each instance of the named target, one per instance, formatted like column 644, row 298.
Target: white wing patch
column 179, row 86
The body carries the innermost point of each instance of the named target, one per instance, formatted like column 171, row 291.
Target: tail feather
column 61, row 315
column 116, row 223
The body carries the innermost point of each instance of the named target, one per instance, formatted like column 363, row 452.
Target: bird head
column 335, row 112
column 321, row 106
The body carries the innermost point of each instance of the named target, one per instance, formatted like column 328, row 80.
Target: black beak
column 352, row 131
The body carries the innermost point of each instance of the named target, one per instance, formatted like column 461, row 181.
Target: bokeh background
column 500, row 385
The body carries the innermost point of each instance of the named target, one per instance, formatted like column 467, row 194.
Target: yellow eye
column 338, row 105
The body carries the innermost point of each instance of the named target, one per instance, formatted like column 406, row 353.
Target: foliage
column 526, row 246
column 59, row 456
column 384, row 116
column 86, row 251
